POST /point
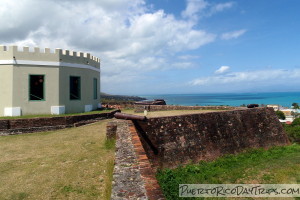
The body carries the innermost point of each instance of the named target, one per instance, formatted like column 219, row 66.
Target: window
column 74, row 88
column 95, row 89
column 36, row 87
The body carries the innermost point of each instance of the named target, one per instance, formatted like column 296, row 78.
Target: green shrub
column 293, row 133
column 295, row 105
column 296, row 122
column 280, row 114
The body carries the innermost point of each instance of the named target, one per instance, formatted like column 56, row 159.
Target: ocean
column 232, row 99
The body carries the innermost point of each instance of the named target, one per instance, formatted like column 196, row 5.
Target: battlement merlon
column 59, row 55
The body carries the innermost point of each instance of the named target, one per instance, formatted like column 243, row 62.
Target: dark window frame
column 95, row 88
column 30, row 95
column 78, row 88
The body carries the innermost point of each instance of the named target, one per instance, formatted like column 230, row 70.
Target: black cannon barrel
column 252, row 105
column 119, row 115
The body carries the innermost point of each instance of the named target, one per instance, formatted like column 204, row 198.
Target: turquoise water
column 232, row 99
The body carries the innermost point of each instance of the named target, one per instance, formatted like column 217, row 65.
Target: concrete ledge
column 88, row 108
column 12, row 111
column 57, row 110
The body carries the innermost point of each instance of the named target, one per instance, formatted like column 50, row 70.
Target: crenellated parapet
column 15, row 54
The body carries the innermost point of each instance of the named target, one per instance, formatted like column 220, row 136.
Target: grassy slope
column 73, row 163
column 277, row 165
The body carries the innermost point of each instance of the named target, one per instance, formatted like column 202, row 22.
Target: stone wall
column 18, row 126
column 141, row 108
column 111, row 129
column 133, row 176
column 175, row 140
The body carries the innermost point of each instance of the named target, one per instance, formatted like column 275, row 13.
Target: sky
column 168, row 46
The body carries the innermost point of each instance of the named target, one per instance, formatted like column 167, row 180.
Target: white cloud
column 233, row 34
column 182, row 65
column 275, row 76
column 188, row 57
column 222, row 70
column 130, row 38
column 193, row 8
column 202, row 8
column 221, row 7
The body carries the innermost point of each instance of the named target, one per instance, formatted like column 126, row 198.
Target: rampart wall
column 175, row 140
column 141, row 108
column 19, row 126
column 133, row 177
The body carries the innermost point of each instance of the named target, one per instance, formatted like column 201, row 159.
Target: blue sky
column 168, row 46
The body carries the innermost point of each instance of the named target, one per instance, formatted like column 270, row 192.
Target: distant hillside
column 108, row 98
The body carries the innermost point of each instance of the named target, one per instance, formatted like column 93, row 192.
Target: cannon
column 151, row 102
column 252, row 105
column 119, row 115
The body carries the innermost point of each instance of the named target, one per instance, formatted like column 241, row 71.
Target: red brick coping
column 147, row 173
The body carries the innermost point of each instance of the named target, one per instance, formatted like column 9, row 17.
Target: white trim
column 57, row 110
column 12, row 111
column 47, row 63
column 7, row 62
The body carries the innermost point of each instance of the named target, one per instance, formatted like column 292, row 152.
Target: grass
column 169, row 112
column 278, row 165
column 75, row 163
column 62, row 115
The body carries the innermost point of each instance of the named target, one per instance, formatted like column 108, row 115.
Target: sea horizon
column 231, row 99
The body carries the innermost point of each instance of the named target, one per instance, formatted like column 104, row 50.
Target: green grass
column 74, row 163
column 62, row 115
column 169, row 112
column 276, row 165
column 110, row 143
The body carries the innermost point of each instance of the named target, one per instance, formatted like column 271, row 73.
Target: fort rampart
column 141, row 108
column 176, row 140
column 20, row 126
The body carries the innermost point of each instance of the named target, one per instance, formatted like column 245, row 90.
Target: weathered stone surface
column 36, row 122
column 133, row 176
column 4, row 124
column 111, row 129
column 127, row 181
column 18, row 126
column 141, row 108
column 147, row 170
column 206, row 136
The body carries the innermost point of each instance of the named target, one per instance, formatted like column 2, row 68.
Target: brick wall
column 133, row 176
column 175, row 140
column 17, row 126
